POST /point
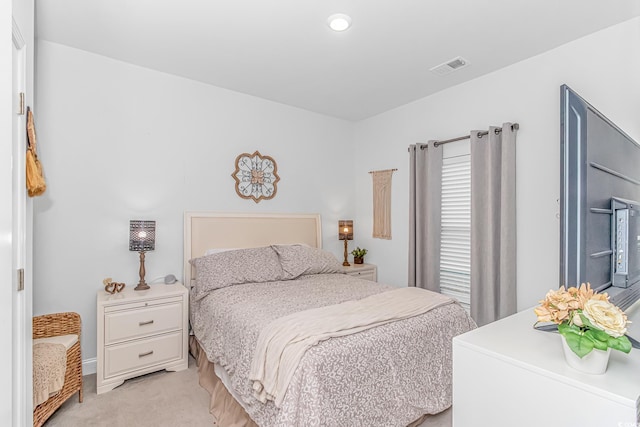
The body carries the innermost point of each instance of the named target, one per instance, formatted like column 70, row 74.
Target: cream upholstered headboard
column 217, row 230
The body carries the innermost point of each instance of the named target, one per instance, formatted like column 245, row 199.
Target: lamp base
column 345, row 263
column 142, row 285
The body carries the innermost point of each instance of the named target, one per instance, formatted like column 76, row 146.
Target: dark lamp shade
column 345, row 229
column 142, row 235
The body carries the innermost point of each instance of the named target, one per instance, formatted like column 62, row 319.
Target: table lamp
column 345, row 232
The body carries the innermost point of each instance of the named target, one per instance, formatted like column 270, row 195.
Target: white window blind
column 455, row 245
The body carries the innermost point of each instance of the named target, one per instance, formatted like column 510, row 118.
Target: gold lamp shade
column 345, row 229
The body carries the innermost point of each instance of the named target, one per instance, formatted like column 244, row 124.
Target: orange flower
column 543, row 313
column 557, row 306
column 585, row 293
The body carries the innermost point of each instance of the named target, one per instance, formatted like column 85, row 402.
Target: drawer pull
column 148, row 322
column 148, row 353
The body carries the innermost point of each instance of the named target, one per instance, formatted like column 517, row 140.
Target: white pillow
column 219, row 250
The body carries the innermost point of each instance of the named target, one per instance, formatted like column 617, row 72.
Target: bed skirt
column 226, row 410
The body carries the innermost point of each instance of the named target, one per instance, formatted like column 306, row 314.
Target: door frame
column 22, row 375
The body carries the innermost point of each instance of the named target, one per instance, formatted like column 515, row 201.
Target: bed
column 249, row 272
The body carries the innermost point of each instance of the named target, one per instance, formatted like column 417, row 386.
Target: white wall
column 121, row 142
column 604, row 68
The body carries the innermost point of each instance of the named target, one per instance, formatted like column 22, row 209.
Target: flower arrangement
column 359, row 253
column 586, row 319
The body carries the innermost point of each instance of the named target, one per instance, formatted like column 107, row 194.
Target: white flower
column 577, row 320
column 606, row 317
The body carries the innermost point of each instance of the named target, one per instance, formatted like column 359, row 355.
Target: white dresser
column 141, row 332
column 363, row 271
column 508, row 374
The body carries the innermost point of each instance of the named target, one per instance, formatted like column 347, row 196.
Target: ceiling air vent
column 450, row 66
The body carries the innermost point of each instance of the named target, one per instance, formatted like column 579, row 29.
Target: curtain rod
column 384, row 170
column 514, row 126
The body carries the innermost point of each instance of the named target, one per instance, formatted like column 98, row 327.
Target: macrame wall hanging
column 382, row 203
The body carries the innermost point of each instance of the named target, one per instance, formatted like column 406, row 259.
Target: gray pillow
column 253, row 265
column 298, row 260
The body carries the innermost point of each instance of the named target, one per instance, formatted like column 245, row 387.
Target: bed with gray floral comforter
column 387, row 376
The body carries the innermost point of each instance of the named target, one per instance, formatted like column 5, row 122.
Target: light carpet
column 159, row 399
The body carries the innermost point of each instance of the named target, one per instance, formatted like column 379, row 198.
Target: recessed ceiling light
column 339, row 22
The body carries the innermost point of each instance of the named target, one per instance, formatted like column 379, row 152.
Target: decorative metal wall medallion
column 256, row 176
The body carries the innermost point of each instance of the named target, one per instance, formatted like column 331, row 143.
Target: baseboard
column 89, row 366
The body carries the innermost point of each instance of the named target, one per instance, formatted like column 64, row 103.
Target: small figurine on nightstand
column 112, row 287
column 358, row 255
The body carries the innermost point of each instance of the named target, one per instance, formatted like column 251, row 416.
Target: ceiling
column 284, row 51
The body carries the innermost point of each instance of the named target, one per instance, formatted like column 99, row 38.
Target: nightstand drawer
column 362, row 271
column 366, row 275
column 127, row 357
column 130, row 324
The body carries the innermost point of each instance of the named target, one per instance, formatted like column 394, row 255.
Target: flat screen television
column 599, row 199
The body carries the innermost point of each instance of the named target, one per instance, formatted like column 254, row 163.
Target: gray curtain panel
column 493, row 224
column 425, row 197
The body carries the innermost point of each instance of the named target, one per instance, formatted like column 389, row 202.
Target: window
column 455, row 244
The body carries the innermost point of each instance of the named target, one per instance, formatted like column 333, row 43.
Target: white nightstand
column 141, row 332
column 363, row 271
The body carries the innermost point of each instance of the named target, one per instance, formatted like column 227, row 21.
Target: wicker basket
column 52, row 325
